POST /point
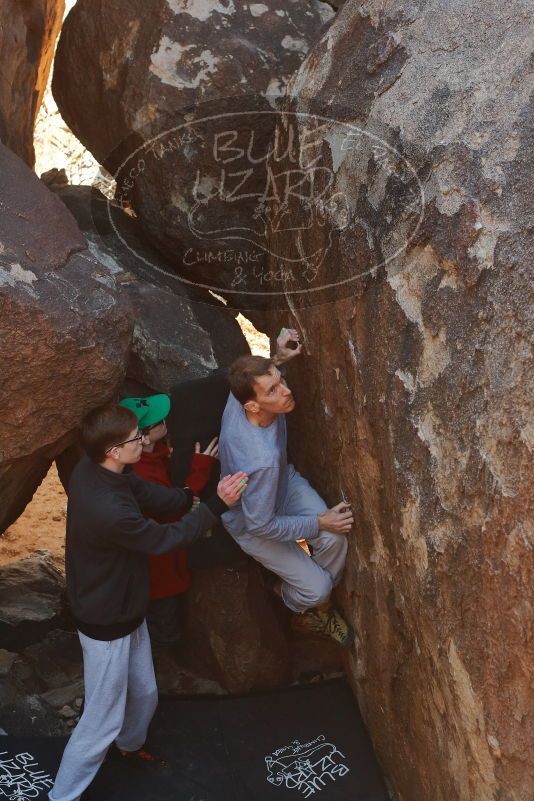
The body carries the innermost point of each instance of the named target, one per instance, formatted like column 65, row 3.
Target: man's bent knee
column 319, row 593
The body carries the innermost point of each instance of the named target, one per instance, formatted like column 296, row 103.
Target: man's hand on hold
column 337, row 520
column 288, row 345
column 230, row 488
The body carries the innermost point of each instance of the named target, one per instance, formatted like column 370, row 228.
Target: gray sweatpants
column 306, row 582
column 120, row 699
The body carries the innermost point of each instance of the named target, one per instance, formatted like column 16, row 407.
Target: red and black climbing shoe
column 144, row 757
column 325, row 620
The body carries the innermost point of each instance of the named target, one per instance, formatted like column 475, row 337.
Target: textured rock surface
column 420, row 383
column 31, row 716
column 64, row 328
column 233, row 635
column 28, row 32
column 8, row 688
column 146, row 71
column 175, row 338
column 30, row 600
column 56, row 660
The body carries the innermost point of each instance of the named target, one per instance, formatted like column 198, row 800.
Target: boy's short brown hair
column 104, row 427
column 243, row 374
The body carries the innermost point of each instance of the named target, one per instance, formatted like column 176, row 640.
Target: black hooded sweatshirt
column 108, row 539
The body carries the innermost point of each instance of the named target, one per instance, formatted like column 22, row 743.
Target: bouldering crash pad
column 304, row 742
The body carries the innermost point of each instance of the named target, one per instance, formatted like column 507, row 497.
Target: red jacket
column 168, row 571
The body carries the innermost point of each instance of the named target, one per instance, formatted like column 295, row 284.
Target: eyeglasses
column 138, row 436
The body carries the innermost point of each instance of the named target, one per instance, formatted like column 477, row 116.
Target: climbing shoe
column 144, row 758
column 327, row 621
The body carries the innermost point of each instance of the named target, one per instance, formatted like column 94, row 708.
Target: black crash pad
column 306, row 742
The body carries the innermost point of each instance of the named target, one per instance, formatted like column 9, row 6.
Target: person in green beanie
column 169, row 574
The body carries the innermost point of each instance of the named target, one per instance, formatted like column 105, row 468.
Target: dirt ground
column 41, row 526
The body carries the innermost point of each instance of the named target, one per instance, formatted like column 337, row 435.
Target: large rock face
column 28, row 32
column 419, row 379
column 30, row 600
column 154, row 72
column 175, row 337
column 64, row 327
column 238, row 642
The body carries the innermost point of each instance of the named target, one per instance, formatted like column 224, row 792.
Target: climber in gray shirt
column 280, row 508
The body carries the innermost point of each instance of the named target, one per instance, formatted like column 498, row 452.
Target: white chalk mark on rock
column 295, row 45
column 201, row 9
column 258, row 9
column 171, row 65
column 16, row 274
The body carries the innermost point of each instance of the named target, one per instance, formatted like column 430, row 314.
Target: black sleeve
column 153, row 499
column 216, row 505
column 137, row 533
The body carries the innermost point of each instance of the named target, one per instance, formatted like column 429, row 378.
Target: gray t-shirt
column 262, row 453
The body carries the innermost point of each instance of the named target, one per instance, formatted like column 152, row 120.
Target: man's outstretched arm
column 128, row 528
column 137, row 533
column 155, row 499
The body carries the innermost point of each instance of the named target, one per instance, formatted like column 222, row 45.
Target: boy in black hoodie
column 108, row 538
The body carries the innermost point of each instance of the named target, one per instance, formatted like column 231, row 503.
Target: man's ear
column 251, row 406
